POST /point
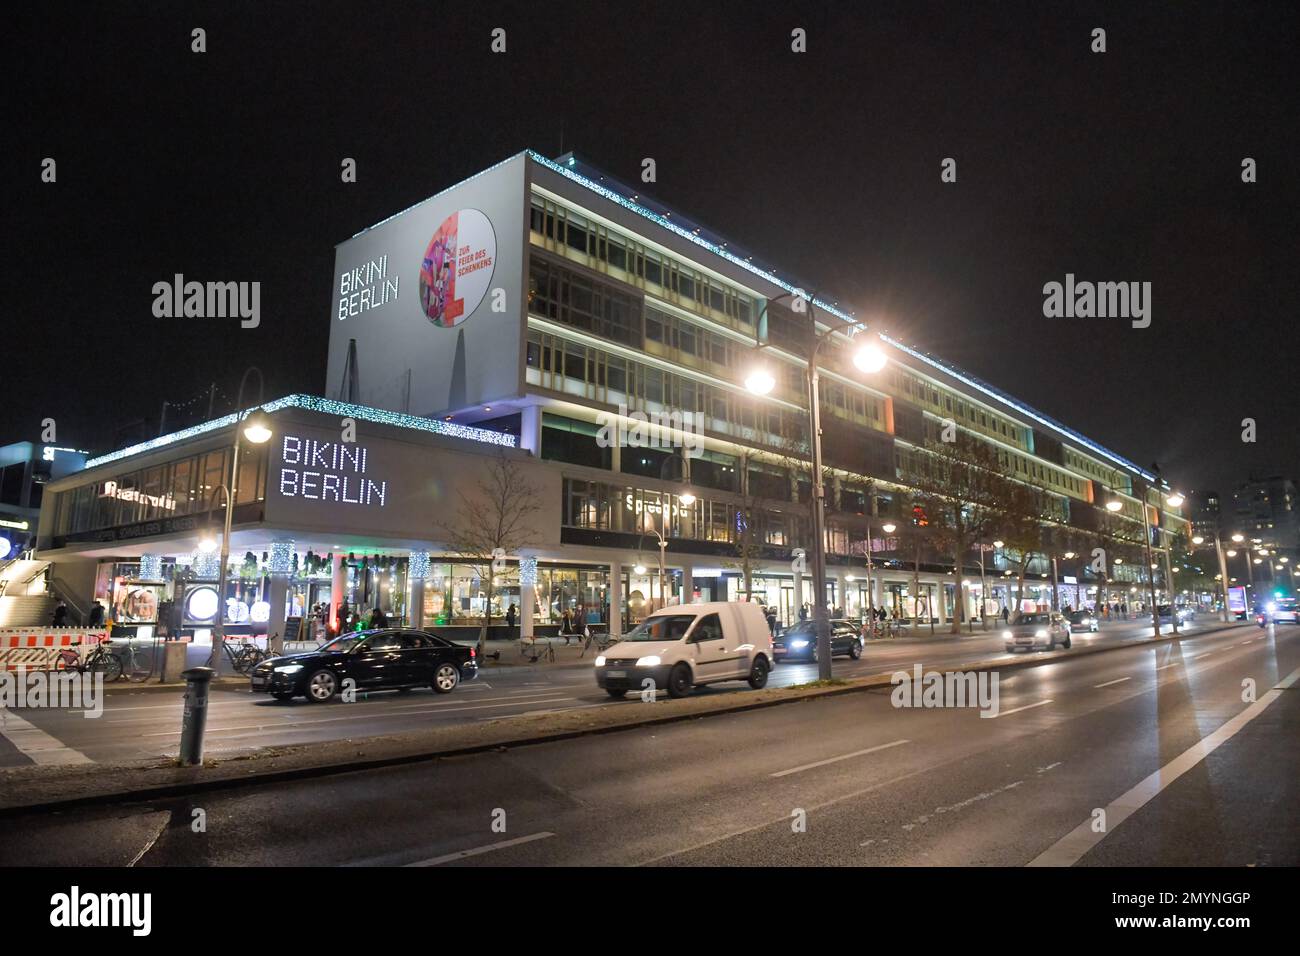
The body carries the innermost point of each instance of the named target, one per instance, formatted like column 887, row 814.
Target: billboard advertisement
column 434, row 299
column 1237, row 600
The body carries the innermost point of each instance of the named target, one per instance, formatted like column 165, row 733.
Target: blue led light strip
column 326, row 406
column 687, row 234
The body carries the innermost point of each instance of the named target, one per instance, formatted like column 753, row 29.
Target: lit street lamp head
column 686, row 498
column 257, row 428
column 1114, row 504
column 889, row 527
column 760, row 381
column 870, row 358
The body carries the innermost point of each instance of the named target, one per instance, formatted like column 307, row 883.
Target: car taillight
column 473, row 653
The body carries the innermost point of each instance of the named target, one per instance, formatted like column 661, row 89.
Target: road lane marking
column 1071, row 848
column 1170, row 664
column 462, row 854
column 36, row 744
column 1016, row 710
column 1118, row 680
column 830, row 760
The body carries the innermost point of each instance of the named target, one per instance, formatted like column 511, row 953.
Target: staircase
column 27, row 610
column 24, row 601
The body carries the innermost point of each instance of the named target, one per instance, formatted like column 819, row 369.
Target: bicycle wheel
column 106, row 663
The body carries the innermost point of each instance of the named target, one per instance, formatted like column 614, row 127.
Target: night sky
column 1122, row 166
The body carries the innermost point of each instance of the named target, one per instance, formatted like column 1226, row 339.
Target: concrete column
column 616, row 457
column 416, row 606
column 338, row 581
column 527, row 595
column 798, row 597
column 530, row 429
column 279, row 587
column 527, row 601
column 615, row 599
column 688, row 585
column 941, row 598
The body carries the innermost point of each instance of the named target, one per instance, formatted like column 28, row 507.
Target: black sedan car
column 1082, row 621
column 799, row 642
column 389, row 659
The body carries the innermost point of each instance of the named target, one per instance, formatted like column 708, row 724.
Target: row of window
column 163, row 491
column 569, row 233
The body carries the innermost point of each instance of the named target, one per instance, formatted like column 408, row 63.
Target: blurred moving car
column 1036, row 631
column 799, row 642
column 1282, row 610
column 388, row 659
column 1083, row 621
column 1185, row 614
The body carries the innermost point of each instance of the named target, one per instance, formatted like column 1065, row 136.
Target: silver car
column 1036, row 631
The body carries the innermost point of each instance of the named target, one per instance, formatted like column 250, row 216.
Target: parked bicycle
column 536, row 649
column 599, row 640
column 100, row 660
column 244, row 655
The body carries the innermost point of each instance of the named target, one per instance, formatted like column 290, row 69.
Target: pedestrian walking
column 61, row 615
column 1006, row 614
column 566, row 625
column 96, row 618
column 511, row 614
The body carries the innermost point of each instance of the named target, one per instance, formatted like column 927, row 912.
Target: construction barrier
column 37, row 648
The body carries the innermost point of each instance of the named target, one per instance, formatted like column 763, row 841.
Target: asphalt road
column 143, row 724
column 1158, row 737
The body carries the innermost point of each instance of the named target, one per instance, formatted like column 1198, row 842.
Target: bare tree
column 493, row 522
column 1020, row 526
column 961, row 487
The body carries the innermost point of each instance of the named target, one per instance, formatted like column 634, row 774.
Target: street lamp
column 888, row 528
column 254, row 426
column 687, row 498
column 869, row 357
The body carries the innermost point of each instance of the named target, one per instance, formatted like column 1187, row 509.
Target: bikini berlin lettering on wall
column 329, row 471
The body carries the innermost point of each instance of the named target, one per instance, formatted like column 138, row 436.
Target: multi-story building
column 1268, row 509
column 1206, row 513
column 543, row 308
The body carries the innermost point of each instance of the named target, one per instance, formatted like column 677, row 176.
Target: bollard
column 196, row 715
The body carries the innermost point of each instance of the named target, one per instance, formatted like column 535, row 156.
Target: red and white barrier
column 37, row 648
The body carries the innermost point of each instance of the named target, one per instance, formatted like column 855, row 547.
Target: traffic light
column 919, row 518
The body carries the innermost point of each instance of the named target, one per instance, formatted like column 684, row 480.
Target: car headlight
column 650, row 660
column 798, row 643
column 600, row 660
column 1040, row 633
column 288, row 668
column 1006, row 635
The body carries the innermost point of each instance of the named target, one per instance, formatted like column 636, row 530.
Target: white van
column 687, row 645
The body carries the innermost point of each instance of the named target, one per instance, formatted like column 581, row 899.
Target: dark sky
column 1123, row 166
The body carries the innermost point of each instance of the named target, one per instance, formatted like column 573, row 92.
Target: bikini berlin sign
column 329, row 471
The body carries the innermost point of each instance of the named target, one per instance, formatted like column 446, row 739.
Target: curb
column 253, row 778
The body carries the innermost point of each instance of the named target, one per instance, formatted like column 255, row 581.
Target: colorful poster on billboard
column 1237, row 600
column 457, row 267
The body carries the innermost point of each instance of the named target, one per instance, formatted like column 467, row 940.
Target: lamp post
column 869, row 358
column 1223, row 569
column 687, row 498
column 257, row 429
column 888, row 528
column 1115, row 505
